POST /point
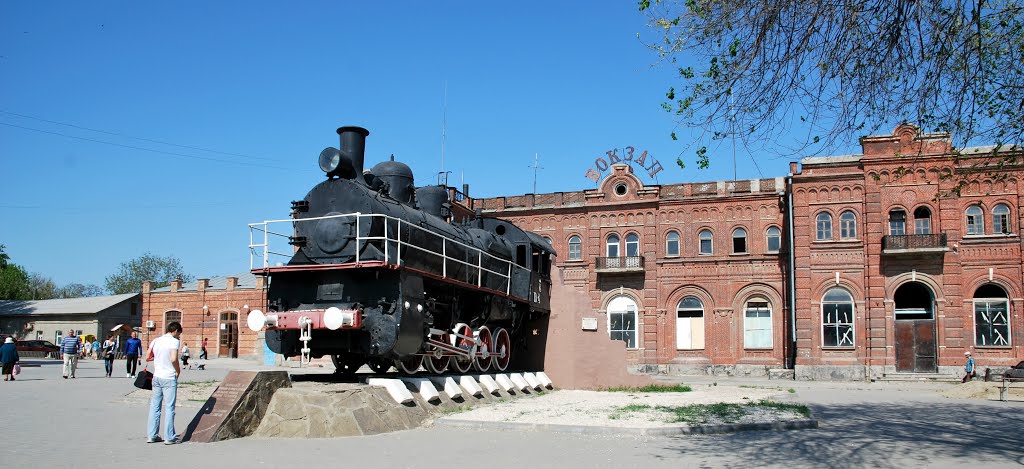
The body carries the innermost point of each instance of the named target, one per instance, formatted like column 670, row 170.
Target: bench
column 1005, row 386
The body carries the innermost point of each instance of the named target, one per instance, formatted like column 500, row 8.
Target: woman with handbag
column 9, row 358
column 108, row 354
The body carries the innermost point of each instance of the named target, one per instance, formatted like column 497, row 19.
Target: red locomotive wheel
column 460, row 363
column 502, row 349
column 484, row 354
column 436, row 362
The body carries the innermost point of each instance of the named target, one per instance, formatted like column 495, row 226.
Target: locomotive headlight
column 330, row 158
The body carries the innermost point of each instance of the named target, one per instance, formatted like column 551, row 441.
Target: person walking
column 70, row 347
column 968, row 368
column 163, row 351
column 8, row 358
column 202, row 351
column 108, row 355
column 185, row 355
column 132, row 347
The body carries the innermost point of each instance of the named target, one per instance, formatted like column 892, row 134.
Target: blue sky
column 265, row 84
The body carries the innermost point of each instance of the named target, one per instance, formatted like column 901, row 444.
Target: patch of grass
column 651, row 388
column 620, row 411
column 727, row 413
column 792, row 391
column 456, row 410
column 198, row 383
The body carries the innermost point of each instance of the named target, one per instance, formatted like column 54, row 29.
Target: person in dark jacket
column 131, row 353
column 8, row 358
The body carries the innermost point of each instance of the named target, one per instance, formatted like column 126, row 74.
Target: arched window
column 897, row 222
column 823, row 225
column 632, row 245
column 706, row 243
column 757, row 324
column 690, row 324
column 837, row 318
column 1001, row 219
column 774, row 238
column 848, row 225
column 169, row 317
column 991, row 316
column 613, row 245
column 622, row 320
column 575, row 248
column 975, row 220
column 922, row 221
column 672, row 243
column 739, row 241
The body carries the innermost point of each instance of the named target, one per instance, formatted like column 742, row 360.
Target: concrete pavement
column 85, row 422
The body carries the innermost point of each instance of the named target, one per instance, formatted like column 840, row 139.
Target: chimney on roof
column 261, row 282
column 232, row 283
column 175, row 284
column 147, row 286
column 202, row 284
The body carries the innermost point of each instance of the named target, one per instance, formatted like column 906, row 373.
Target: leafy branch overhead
column 804, row 76
column 148, row 267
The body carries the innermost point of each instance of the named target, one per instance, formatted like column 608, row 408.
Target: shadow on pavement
column 886, row 434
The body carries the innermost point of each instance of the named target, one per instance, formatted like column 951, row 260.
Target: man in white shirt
column 163, row 351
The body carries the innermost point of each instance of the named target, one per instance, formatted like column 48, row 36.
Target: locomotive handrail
column 397, row 239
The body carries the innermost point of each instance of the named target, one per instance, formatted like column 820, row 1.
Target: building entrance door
column 915, row 329
column 228, row 335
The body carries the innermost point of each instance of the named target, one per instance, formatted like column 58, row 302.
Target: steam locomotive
column 383, row 273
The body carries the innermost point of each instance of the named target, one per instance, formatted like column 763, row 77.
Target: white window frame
column 823, row 226
column 632, row 245
column 897, row 226
column 768, row 236
column 742, row 234
column 1001, row 220
column 1007, row 340
column 710, row 238
column 575, row 248
column 852, row 330
column 848, row 225
column 751, row 327
column 975, row 219
column 609, row 245
column 624, row 306
column 672, row 237
column 925, row 222
column 688, row 316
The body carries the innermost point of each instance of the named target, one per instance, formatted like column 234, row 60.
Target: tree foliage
column 14, row 281
column 78, row 290
column 159, row 270
column 41, row 287
column 802, row 76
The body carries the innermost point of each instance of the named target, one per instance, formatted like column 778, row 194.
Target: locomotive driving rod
column 331, row 318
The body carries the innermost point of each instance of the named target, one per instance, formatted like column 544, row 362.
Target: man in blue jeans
column 163, row 351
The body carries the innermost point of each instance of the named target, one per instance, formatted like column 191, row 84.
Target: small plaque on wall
column 590, row 324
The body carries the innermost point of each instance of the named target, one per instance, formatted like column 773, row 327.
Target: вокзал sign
column 648, row 163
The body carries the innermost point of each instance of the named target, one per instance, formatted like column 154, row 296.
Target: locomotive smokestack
column 353, row 146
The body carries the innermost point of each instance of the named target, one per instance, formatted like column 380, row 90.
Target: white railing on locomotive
column 266, row 252
column 506, row 276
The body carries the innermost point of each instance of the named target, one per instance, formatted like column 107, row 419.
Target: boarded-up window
column 757, row 324
column 690, row 324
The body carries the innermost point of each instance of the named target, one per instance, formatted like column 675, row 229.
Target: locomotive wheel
column 482, row 362
column 379, row 365
column 409, row 365
column 502, row 349
column 437, row 363
column 347, row 364
column 459, row 363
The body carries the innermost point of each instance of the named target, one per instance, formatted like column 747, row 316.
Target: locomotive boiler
column 380, row 272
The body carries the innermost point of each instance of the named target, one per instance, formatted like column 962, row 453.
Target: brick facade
column 212, row 308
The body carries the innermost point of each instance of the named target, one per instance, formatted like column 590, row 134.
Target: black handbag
column 144, row 380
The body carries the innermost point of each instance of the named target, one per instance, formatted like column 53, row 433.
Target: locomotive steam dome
column 398, row 177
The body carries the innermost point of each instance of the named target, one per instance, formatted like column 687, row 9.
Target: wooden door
column 915, row 346
column 228, row 340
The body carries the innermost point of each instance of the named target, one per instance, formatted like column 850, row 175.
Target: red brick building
column 893, row 270
column 850, row 267
column 213, row 308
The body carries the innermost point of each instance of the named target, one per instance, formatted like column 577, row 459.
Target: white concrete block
column 543, row 377
column 467, row 383
column 426, row 388
column 489, row 384
column 532, row 381
column 448, row 384
column 519, row 382
column 504, row 382
column 396, row 388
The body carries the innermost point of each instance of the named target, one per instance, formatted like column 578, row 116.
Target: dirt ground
column 981, row 390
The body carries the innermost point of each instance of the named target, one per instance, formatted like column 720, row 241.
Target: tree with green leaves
column 14, row 281
column 78, row 290
column 41, row 287
column 159, row 270
column 789, row 77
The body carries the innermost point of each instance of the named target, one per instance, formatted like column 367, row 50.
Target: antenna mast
column 444, row 124
column 536, row 166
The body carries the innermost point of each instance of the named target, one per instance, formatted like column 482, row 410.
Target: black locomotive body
column 381, row 274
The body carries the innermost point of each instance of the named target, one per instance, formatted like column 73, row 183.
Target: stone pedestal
column 237, row 406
